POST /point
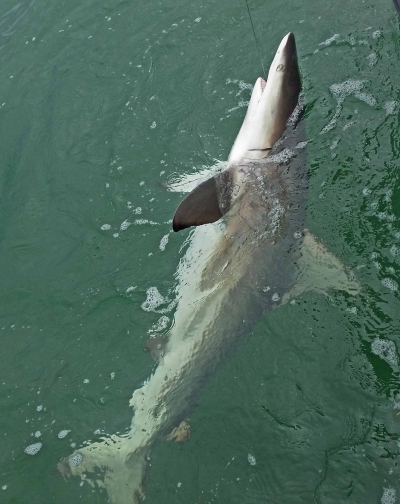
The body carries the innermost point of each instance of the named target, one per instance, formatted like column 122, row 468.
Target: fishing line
column 255, row 38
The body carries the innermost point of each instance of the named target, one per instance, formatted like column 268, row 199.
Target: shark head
column 272, row 103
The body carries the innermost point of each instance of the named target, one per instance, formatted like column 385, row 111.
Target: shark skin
column 248, row 254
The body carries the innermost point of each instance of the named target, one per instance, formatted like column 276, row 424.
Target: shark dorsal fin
column 207, row 203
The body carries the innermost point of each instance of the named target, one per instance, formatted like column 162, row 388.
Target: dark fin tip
column 199, row 207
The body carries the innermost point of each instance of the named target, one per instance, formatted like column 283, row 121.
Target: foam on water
column 330, row 40
column 188, row 181
column 251, row 459
column 391, row 107
column 395, row 250
column 386, row 350
column 340, row 92
column 154, row 299
column 160, row 325
column 33, row 449
column 105, row 227
column 163, row 242
column 390, row 284
column 388, row 496
column 372, row 59
column 124, row 225
column 75, row 460
column 140, row 222
column 62, row 434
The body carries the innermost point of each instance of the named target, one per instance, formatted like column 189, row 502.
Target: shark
column 248, row 254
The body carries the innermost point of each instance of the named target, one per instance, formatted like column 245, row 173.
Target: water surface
column 99, row 103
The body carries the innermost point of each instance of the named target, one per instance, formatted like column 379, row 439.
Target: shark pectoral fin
column 320, row 270
column 180, row 434
column 207, row 203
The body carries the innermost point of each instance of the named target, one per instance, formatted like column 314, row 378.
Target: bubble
column 124, row 225
column 62, row 434
column 33, row 448
column 105, row 227
column 366, row 191
column 275, row 297
column 390, row 284
column 388, row 496
column 112, row 375
column 377, row 34
column 164, row 241
column 153, row 125
column 131, row 288
column 4, row 487
column 251, row 459
column 76, row 459
column 153, row 300
column 386, row 350
column 38, row 434
column 395, row 250
column 39, row 408
column 297, row 235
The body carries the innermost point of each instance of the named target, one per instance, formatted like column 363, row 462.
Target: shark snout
column 286, row 54
column 271, row 104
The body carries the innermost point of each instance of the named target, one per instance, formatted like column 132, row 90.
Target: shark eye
column 280, row 68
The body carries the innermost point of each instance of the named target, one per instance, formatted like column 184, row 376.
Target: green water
column 102, row 101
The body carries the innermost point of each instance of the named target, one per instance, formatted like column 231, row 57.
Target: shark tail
column 121, row 466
